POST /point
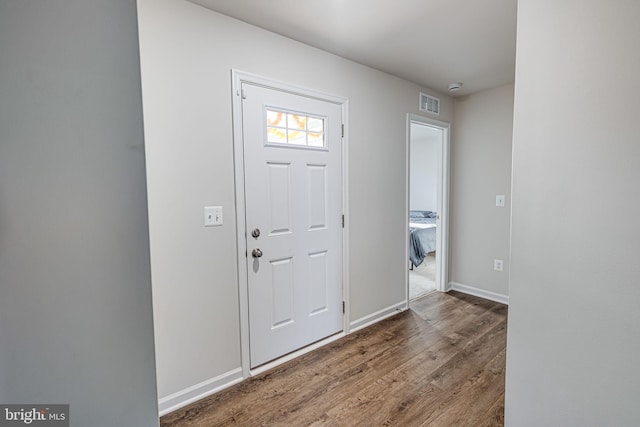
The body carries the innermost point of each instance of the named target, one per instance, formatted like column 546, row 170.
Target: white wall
column 423, row 169
column 481, row 169
column 75, row 293
column 187, row 55
column 573, row 341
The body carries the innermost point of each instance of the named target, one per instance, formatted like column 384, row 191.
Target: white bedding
column 418, row 225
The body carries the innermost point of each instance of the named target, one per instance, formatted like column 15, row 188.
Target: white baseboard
column 503, row 299
column 370, row 319
column 199, row 391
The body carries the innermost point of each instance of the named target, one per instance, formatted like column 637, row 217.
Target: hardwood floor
column 439, row 364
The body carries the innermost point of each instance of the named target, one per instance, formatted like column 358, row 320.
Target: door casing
column 444, row 169
column 239, row 77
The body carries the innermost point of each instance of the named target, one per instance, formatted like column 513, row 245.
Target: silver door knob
column 256, row 253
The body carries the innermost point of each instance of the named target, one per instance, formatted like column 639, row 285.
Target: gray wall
column 187, row 55
column 481, row 165
column 573, row 341
column 75, row 291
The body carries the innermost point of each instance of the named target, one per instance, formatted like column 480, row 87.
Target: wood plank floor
column 439, row 364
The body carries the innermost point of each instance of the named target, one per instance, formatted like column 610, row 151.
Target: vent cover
column 429, row 103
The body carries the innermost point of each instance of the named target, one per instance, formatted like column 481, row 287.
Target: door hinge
column 343, row 221
column 343, row 307
column 343, row 130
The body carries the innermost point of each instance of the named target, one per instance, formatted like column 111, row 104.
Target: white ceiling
column 429, row 42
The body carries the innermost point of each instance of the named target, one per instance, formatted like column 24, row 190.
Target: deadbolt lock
column 255, row 233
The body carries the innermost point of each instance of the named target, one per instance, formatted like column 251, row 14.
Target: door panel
column 279, row 197
column 282, row 291
column 293, row 192
column 317, row 196
column 318, row 288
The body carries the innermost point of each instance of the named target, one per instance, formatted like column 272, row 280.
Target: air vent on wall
column 429, row 103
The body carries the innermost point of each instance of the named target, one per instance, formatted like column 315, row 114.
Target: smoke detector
column 454, row 87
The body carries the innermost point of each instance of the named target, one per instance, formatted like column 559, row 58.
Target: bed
column 422, row 235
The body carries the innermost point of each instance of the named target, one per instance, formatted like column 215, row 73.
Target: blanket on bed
column 421, row 240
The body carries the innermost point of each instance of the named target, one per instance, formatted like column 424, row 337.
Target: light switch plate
column 500, row 200
column 212, row 216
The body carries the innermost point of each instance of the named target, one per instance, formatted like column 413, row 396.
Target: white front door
column 293, row 200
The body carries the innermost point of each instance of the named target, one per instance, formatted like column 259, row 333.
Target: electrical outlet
column 212, row 216
column 497, row 264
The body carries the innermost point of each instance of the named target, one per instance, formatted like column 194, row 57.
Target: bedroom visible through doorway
column 426, row 167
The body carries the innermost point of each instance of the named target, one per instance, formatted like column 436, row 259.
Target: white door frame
column 444, row 170
column 239, row 77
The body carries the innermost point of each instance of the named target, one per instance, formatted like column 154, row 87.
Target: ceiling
column 429, row 42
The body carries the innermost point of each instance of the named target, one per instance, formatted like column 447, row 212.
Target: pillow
column 418, row 214
column 422, row 214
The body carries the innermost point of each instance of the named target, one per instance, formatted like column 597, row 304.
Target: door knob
column 256, row 253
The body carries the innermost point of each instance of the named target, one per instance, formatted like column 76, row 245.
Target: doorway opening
column 427, row 193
